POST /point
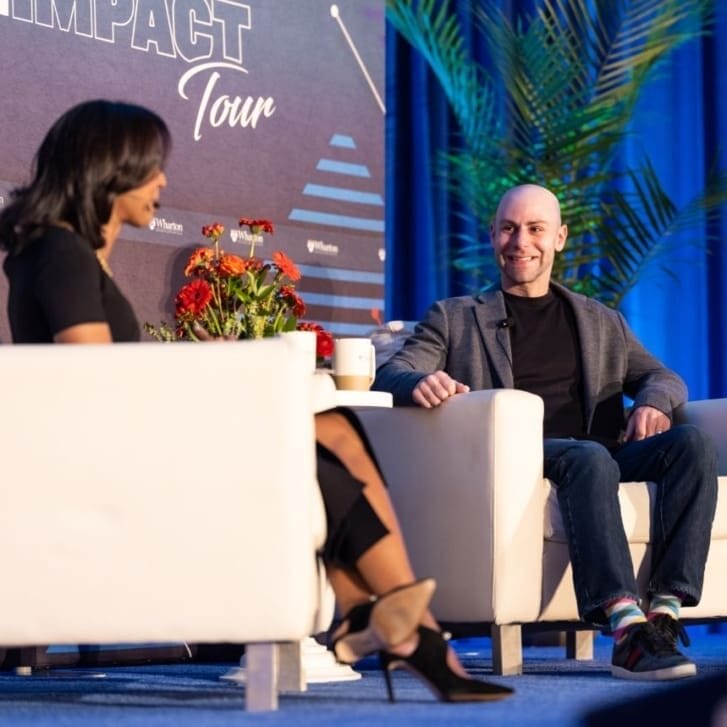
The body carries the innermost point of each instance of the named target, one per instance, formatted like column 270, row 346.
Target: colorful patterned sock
column 622, row 613
column 664, row 603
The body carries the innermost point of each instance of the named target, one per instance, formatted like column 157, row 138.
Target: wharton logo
column 246, row 237
column 161, row 224
column 318, row 247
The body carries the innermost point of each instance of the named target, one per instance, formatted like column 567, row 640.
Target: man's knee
column 591, row 462
column 695, row 443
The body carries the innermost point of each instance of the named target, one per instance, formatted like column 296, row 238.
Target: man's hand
column 645, row 421
column 435, row 388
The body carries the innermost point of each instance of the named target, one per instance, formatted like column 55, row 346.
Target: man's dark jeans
column 683, row 463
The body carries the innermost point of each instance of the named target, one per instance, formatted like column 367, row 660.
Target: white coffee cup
column 354, row 363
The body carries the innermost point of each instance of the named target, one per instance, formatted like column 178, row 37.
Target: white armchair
column 145, row 499
column 477, row 514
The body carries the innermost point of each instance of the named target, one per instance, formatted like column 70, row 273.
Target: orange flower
column 230, row 265
column 286, row 265
column 193, row 298
column 199, row 261
column 256, row 226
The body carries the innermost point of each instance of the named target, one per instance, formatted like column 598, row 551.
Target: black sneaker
column 644, row 653
column 671, row 629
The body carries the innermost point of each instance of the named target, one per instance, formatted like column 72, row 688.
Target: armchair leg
column 292, row 673
column 261, row 683
column 507, row 649
column 579, row 645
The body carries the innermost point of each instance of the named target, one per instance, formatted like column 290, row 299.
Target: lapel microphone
column 506, row 323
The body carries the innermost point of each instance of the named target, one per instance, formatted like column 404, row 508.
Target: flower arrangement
column 239, row 297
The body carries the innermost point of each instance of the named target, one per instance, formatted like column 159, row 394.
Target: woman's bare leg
column 386, row 564
column 349, row 588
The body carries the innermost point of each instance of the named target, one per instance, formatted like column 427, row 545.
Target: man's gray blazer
column 467, row 338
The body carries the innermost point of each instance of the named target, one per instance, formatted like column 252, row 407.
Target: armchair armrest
column 467, row 484
column 711, row 416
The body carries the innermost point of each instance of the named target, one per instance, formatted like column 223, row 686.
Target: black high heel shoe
column 382, row 622
column 429, row 662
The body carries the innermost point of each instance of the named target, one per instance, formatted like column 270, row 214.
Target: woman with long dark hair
column 101, row 166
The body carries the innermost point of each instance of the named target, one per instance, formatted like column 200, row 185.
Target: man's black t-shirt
column 546, row 359
column 56, row 282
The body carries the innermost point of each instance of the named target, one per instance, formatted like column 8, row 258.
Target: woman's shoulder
column 55, row 249
column 65, row 238
column 59, row 243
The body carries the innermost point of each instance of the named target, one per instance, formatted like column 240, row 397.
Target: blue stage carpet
column 553, row 691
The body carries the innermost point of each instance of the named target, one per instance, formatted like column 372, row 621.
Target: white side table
column 364, row 398
column 317, row 665
column 325, row 394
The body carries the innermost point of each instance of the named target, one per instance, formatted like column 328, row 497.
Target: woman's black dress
column 353, row 526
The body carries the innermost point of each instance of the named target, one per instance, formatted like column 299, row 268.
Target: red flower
column 199, row 261
column 254, row 264
column 324, row 344
column 293, row 300
column 256, row 226
column 230, row 265
column 324, row 340
column 286, row 266
column 193, row 298
column 213, row 231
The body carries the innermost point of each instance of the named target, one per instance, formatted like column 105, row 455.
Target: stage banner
column 276, row 112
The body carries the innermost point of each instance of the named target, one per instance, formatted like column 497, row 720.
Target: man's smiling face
column 526, row 234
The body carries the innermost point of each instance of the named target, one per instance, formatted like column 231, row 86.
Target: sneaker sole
column 680, row 671
column 394, row 618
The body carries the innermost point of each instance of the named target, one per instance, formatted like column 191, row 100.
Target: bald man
column 581, row 357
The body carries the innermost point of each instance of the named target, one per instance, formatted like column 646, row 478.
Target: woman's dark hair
column 93, row 153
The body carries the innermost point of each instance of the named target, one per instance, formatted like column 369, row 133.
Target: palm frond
column 429, row 26
column 642, row 225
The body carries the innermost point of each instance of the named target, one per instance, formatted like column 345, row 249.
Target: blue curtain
column 680, row 122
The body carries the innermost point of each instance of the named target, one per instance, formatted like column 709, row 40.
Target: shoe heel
column 389, row 685
column 428, row 662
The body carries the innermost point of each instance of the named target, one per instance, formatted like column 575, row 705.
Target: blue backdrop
column 681, row 118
